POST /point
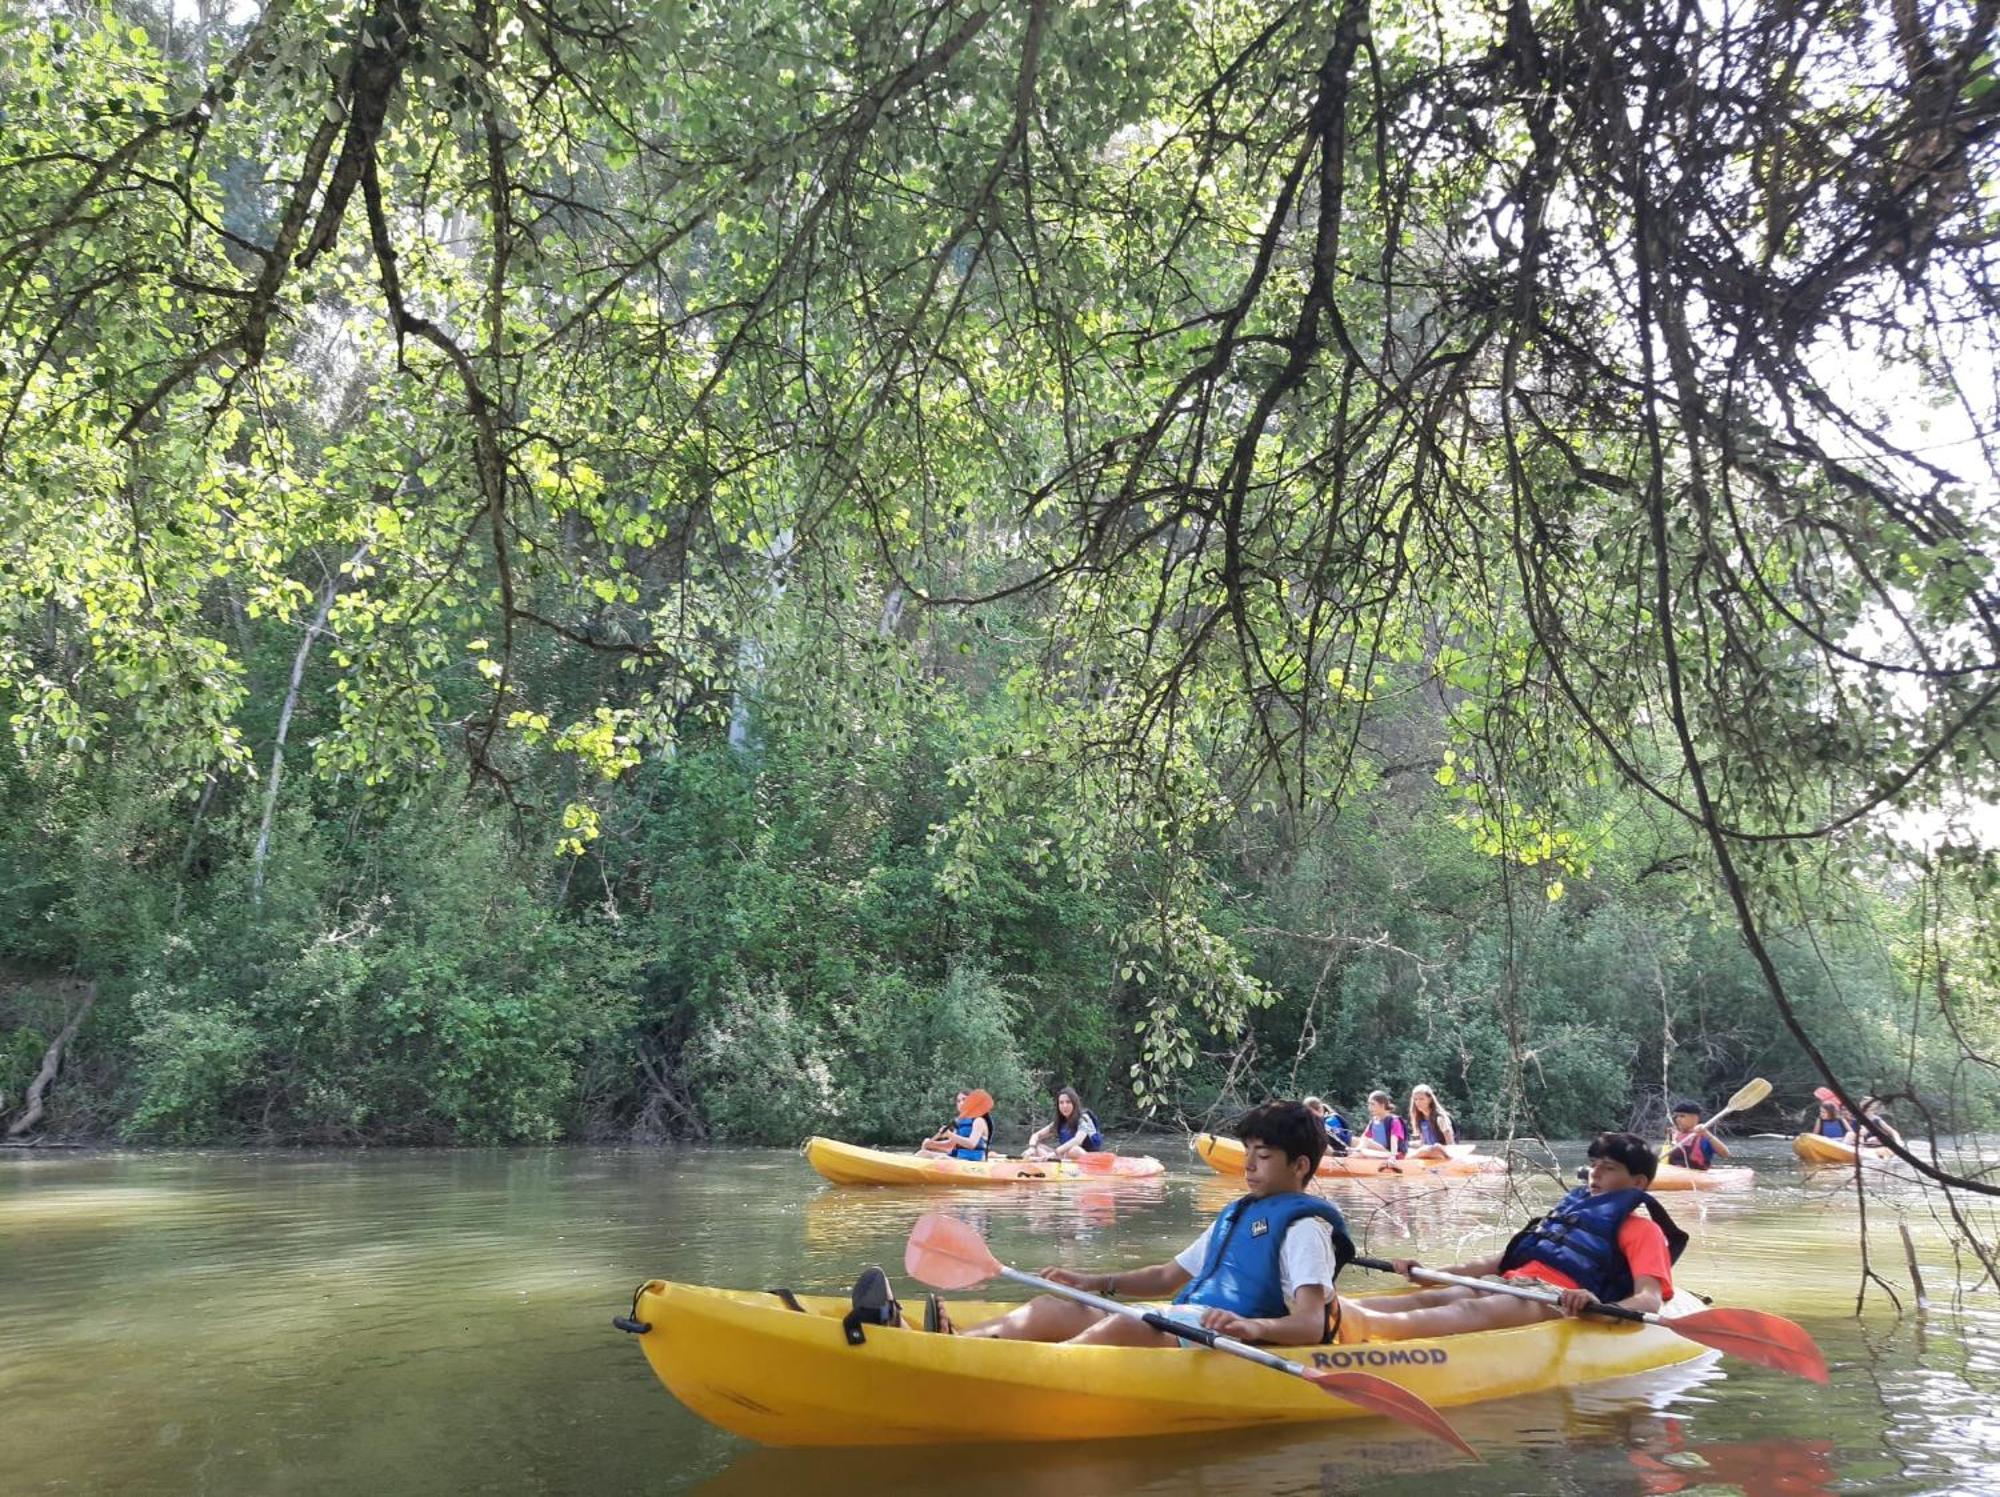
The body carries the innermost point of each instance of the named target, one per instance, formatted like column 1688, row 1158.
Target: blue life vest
column 1579, row 1237
column 1337, row 1130
column 1694, row 1156
column 1427, row 1132
column 1240, row 1273
column 963, row 1128
column 1066, row 1130
column 1832, row 1128
column 1387, row 1131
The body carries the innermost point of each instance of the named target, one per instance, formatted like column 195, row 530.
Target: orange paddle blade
column 978, row 1102
column 1825, row 1094
column 1380, row 1396
column 947, row 1254
column 1756, row 1336
column 1096, row 1164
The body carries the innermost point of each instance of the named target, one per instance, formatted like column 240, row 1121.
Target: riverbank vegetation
column 575, row 572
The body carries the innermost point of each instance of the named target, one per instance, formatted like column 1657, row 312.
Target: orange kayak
column 1225, row 1157
column 1673, row 1177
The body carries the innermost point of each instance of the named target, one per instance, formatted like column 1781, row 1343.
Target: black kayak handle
column 1611, row 1312
column 1186, row 1330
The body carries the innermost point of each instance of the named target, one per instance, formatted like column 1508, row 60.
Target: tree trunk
column 31, row 1111
column 750, row 654
column 313, row 632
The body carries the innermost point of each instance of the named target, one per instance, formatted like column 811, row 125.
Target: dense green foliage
column 759, row 945
column 592, row 568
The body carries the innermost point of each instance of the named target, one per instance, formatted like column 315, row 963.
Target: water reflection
column 1756, row 1468
column 835, row 1213
column 351, row 1323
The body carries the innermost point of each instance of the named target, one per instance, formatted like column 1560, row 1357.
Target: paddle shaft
column 1704, row 1126
column 1518, row 1291
column 1187, row 1330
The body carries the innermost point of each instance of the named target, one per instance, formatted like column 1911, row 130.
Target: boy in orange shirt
column 1607, row 1242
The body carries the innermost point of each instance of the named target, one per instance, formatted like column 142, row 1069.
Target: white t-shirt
column 1306, row 1257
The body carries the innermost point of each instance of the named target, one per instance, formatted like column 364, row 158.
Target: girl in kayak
column 1874, row 1126
column 1693, row 1147
column 1430, row 1124
column 1385, row 1133
column 967, row 1136
column 1262, row 1271
column 1606, row 1242
column 1832, row 1119
column 1339, row 1137
column 1073, row 1130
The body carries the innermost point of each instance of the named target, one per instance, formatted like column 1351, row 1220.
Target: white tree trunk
column 313, row 632
column 750, row 654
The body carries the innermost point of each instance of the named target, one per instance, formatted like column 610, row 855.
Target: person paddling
column 1385, row 1133
column 1607, row 1242
column 1072, row 1131
column 1263, row 1270
column 1430, row 1125
column 970, row 1134
column 1339, row 1136
column 1693, row 1147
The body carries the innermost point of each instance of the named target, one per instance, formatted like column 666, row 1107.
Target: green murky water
column 386, row 1322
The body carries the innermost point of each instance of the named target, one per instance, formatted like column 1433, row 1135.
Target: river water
column 363, row 1324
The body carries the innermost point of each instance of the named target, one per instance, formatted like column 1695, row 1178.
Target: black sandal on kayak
column 870, row 1304
column 936, row 1318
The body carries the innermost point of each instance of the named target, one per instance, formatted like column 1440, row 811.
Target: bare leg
column 1475, row 1312
column 1422, row 1299
column 1045, row 1318
column 1121, row 1330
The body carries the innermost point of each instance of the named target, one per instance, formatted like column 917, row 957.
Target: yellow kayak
column 1814, row 1148
column 743, row 1360
column 1225, row 1157
column 851, row 1164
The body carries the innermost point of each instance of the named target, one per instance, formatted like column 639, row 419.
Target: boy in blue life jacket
column 1607, row 1242
column 1263, row 1271
column 1339, row 1137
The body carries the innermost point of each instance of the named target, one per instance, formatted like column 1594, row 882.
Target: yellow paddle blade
column 947, row 1254
column 1753, row 1091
